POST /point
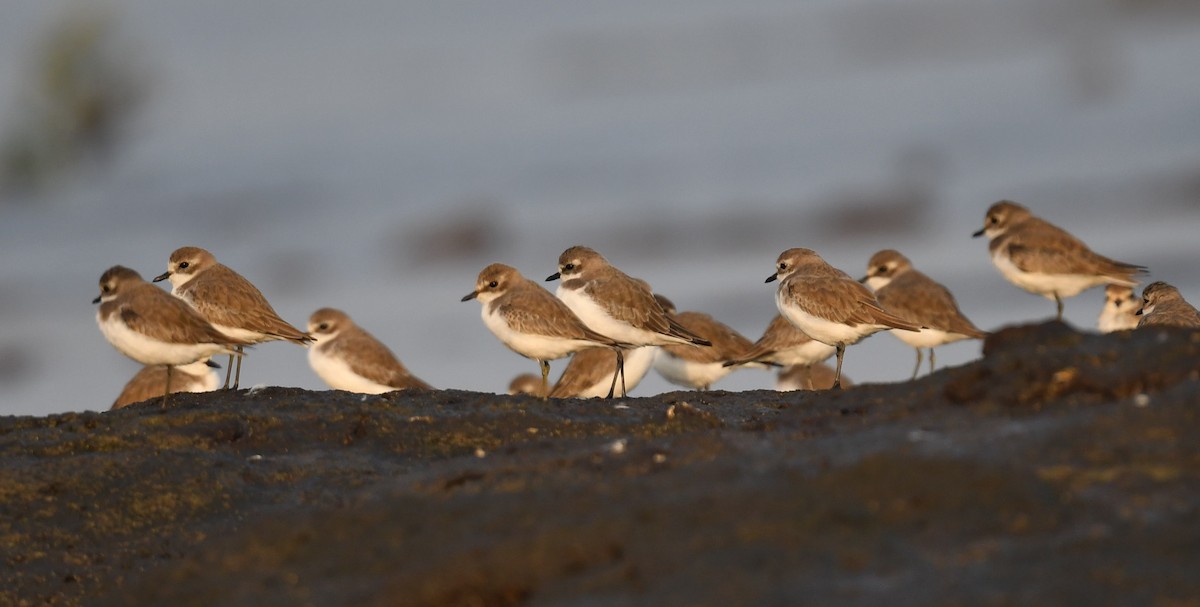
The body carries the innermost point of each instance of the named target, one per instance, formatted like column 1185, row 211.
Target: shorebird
column 698, row 368
column 349, row 358
column 817, row 376
column 1045, row 259
column 829, row 305
column 230, row 302
column 1120, row 309
column 526, row 383
column 1164, row 306
column 532, row 322
column 151, row 381
column 615, row 304
column 587, row 374
column 917, row 298
column 784, row 345
column 146, row 324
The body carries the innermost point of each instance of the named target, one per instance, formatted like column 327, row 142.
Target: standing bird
column 614, row 303
column 152, row 380
column 146, row 324
column 1120, row 309
column 1164, row 306
column 829, row 305
column 348, row 358
column 698, row 368
column 228, row 301
column 917, row 298
column 588, row 373
column 1045, row 259
column 532, row 322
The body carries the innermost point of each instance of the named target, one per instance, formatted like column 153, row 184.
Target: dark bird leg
column 167, row 392
column 917, row 369
column 1058, row 300
column 545, row 365
column 931, row 360
column 228, row 373
column 837, row 374
column 237, row 377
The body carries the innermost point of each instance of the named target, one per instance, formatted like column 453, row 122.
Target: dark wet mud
column 1061, row 468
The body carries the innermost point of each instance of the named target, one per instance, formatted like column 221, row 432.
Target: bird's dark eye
column 569, row 266
column 106, row 288
column 882, row 269
column 323, row 326
column 493, row 285
column 782, row 265
column 183, row 265
column 993, row 219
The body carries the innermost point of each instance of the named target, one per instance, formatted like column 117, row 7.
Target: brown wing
column 726, row 343
column 780, row 334
column 224, row 297
column 151, row 381
column 151, row 311
column 534, row 310
column 1171, row 314
column 587, row 367
column 1039, row 246
column 374, row 361
column 626, row 299
column 920, row 300
column 839, row 298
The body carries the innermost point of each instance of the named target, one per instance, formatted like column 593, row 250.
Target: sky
column 375, row 155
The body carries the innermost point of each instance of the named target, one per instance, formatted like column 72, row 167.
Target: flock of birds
column 613, row 326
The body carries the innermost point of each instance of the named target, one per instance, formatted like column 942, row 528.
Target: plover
column 588, row 373
column 1120, row 309
column 698, row 368
column 230, row 302
column 917, row 298
column 784, row 345
column 532, row 322
column 150, row 326
column 829, row 305
column 527, row 383
column 349, row 358
column 1164, row 306
column 1045, row 259
column 614, row 304
column 151, row 381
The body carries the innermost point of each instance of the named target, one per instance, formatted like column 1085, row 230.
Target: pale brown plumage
column 586, row 368
column 781, row 342
column 1036, row 245
column 726, row 342
column 150, row 311
column 841, row 299
column 1164, row 306
column 623, row 297
column 225, row 297
column 362, row 352
column 912, row 295
column 151, row 381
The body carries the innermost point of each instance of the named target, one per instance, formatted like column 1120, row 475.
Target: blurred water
column 375, row 155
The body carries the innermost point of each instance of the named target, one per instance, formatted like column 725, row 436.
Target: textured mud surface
column 1061, row 468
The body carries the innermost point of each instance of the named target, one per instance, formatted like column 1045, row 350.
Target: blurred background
column 374, row 155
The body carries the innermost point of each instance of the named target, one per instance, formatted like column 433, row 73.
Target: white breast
column 927, row 338
column 823, row 330
column 687, row 373
column 807, row 354
column 598, row 319
column 335, row 372
column 529, row 345
column 148, row 350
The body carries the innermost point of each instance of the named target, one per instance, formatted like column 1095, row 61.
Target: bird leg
column 917, row 369
column 545, row 365
column 237, row 377
column 167, row 391
column 228, row 373
column 837, row 374
column 1058, row 301
column 931, row 359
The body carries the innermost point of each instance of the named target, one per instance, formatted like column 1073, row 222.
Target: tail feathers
column 678, row 330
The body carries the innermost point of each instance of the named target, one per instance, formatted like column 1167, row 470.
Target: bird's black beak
column 470, row 296
column 554, row 276
column 864, row 279
column 162, row 277
column 979, row 233
column 1139, row 312
column 772, row 278
column 212, row 365
column 97, row 300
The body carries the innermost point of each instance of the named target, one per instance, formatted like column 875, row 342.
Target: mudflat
column 1059, row 468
